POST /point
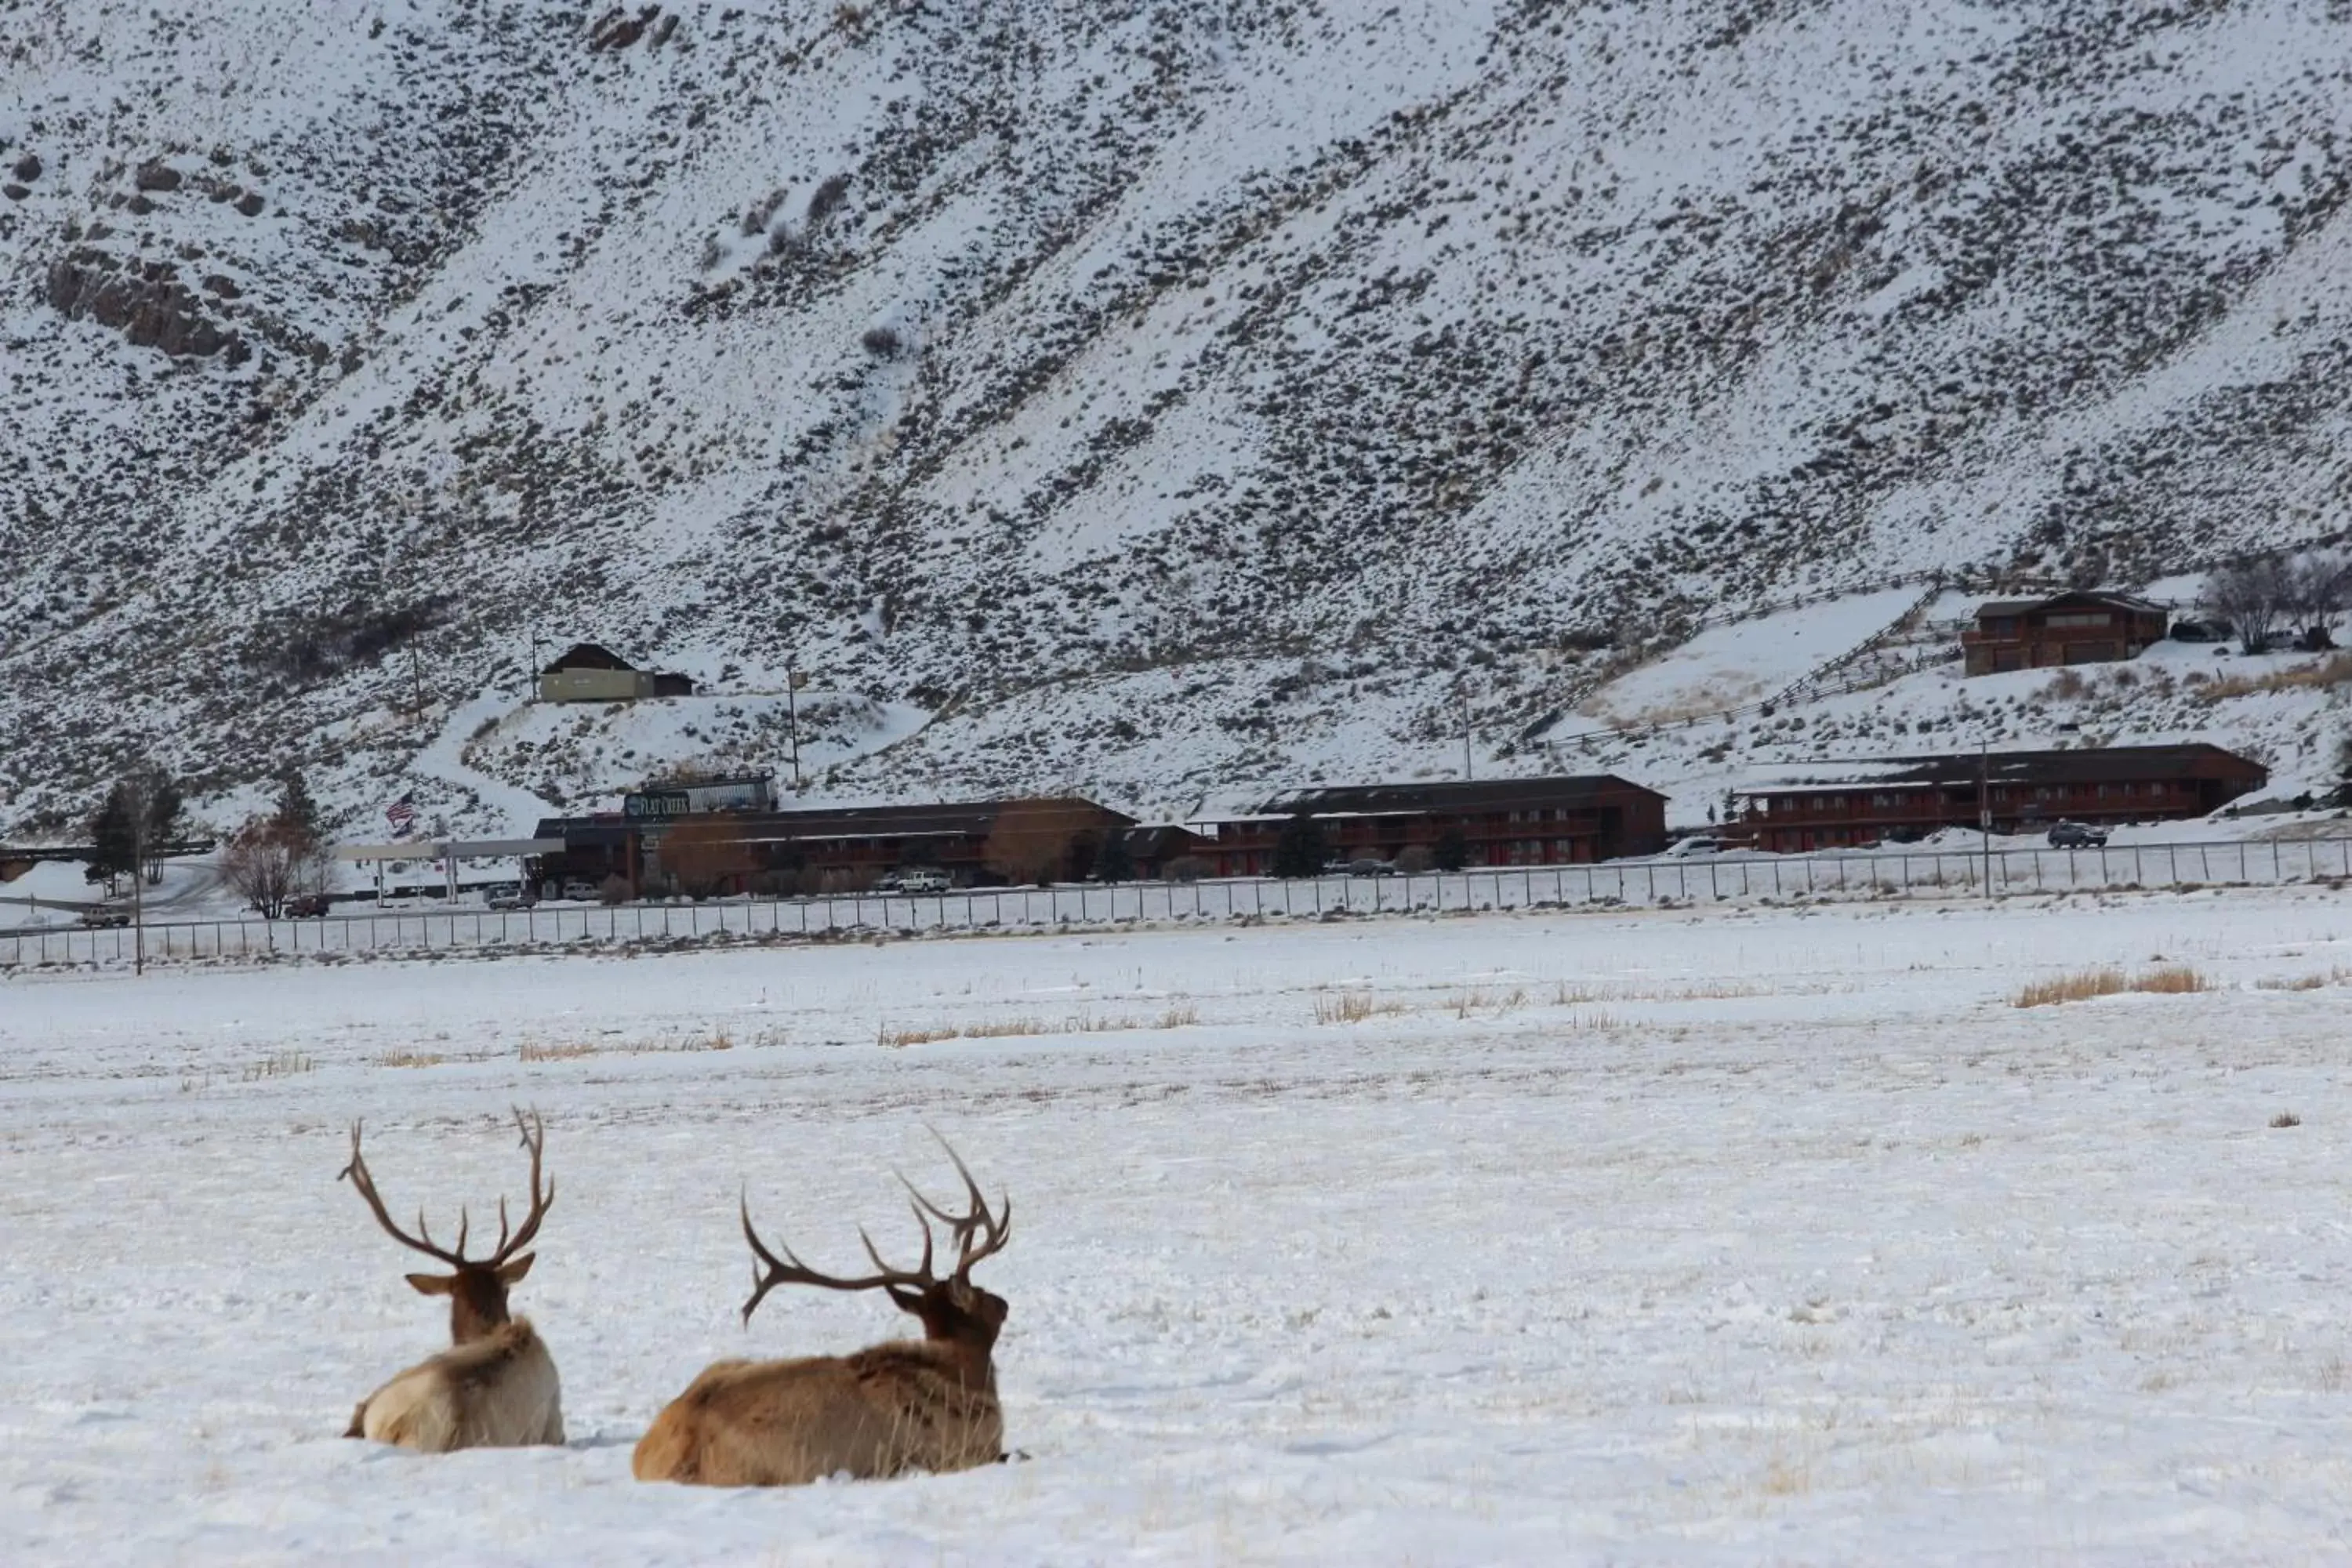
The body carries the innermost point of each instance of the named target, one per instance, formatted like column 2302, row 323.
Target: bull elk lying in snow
column 496, row 1387
column 908, row 1404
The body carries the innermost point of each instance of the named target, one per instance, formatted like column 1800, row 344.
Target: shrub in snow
column 829, row 199
column 1300, row 850
column 1452, row 851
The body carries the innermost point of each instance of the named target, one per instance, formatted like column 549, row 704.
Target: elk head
column 477, row 1289
column 954, row 1311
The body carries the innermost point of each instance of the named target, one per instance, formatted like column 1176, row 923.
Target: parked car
column 579, row 888
column 103, row 916
column 1698, row 844
column 2076, row 836
column 1368, row 865
column 511, row 896
column 307, row 906
column 913, row 880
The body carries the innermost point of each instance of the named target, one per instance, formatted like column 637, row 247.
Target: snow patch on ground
column 1745, row 662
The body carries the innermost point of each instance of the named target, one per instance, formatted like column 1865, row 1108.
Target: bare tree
column 160, row 808
column 2318, row 590
column 2252, row 597
column 270, row 861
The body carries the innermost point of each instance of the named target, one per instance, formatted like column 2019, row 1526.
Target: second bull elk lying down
column 909, row 1404
column 496, row 1387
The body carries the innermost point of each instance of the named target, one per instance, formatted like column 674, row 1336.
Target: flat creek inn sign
column 749, row 794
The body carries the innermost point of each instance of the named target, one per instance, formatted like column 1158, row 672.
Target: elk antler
column 905, row 1286
column 993, row 1229
column 534, row 1137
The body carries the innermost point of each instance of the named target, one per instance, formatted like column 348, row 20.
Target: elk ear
column 432, row 1284
column 510, row 1273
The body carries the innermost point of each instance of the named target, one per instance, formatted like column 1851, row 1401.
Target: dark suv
column 2076, row 836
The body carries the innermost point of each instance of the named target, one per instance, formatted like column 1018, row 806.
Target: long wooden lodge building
column 1830, row 805
column 739, row 850
column 1499, row 822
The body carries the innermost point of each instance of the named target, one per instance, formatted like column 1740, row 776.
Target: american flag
column 401, row 815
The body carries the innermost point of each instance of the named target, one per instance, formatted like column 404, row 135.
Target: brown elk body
column 496, row 1387
column 909, row 1404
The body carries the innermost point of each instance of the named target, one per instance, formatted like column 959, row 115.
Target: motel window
column 2080, row 618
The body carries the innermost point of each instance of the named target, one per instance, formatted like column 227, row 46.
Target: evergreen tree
column 1452, row 851
column 298, row 814
column 1300, row 850
column 114, row 831
column 1114, row 863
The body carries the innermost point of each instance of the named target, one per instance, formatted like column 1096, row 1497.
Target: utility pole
column 792, row 714
column 138, row 886
column 1463, row 695
column 1984, row 807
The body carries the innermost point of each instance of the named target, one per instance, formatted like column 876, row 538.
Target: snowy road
column 1724, row 1237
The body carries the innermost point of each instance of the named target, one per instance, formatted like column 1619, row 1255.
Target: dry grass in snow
column 2168, row 979
column 1178, row 1016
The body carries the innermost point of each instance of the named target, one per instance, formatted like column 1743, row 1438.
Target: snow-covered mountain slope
column 1172, row 396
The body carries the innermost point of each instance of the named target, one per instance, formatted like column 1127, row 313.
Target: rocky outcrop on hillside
column 147, row 305
column 1174, row 395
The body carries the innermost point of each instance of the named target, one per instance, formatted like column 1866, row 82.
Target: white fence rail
column 1891, row 873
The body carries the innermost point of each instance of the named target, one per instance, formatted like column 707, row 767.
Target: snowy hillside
column 1151, row 399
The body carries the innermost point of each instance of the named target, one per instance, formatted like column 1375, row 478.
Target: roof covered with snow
column 2076, row 766
column 1448, row 794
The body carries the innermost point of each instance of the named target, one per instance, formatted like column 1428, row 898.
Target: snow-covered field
column 1755, row 1235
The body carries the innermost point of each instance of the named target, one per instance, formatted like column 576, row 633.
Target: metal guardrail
column 1728, row 880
